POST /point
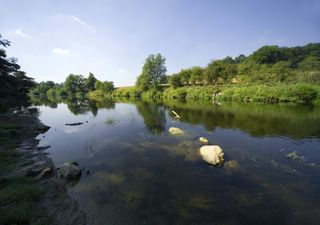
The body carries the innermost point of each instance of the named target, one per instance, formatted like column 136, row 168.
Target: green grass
column 19, row 195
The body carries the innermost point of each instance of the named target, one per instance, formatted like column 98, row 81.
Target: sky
column 112, row 38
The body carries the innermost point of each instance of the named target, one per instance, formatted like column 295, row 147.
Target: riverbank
column 267, row 93
column 30, row 192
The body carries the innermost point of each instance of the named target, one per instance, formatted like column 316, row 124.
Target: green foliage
column 191, row 93
column 268, row 55
column 153, row 73
column 13, row 82
column 90, row 82
column 175, row 81
column 299, row 93
column 75, row 83
column 131, row 92
column 223, row 69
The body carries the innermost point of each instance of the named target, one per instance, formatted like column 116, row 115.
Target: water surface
column 136, row 173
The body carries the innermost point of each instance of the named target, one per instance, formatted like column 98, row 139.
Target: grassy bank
column 19, row 195
column 275, row 93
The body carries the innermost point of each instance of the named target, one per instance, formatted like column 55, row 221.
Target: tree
column 269, row 55
column 240, row 58
column 106, row 86
column 7, row 65
column 75, row 83
column 311, row 63
column 13, row 82
column 196, row 75
column 185, row 76
column 90, row 82
column 153, row 72
column 98, row 85
column 24, row 83
column 175, row 81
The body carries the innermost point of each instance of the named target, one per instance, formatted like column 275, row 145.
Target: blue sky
column 112, row 38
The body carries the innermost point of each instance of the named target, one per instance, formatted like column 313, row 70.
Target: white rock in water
column 175, row 131
column 69, row 170
column 212, row 154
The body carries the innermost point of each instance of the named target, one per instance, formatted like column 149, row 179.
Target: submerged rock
column 69, row 170
column 295, row 156
column 203, row 140
column 231, row 165
column 212, row 154
column 175, row 131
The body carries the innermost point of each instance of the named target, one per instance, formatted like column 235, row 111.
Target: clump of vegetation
column 297, row 93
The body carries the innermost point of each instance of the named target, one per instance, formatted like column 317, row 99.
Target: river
column 137, row 173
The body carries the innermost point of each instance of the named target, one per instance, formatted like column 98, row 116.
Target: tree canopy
column 153, row 72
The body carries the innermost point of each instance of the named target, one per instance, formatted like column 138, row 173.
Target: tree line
column 266, row 65
column 72, row 86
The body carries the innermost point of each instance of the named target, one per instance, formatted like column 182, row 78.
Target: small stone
column 175, row 131
column 69, row 170
column 203, row 140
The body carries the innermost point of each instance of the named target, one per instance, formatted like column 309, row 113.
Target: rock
column 203, row 140
column 44, row 172
column 36, row 168
column 295, row 156
column 231, row 165
column 69, row 170
column 212, row 154
column 234, row 80
column 175, row 131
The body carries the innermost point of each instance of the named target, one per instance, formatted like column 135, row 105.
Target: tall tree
column 153, row 72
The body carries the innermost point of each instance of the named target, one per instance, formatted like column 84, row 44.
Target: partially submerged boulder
column 212, row 154
column 175, row 131
column 69, row 170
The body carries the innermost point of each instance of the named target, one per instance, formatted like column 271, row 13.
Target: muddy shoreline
column 35, row 163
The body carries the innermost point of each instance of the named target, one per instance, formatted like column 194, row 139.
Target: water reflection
column 257, row 119
column 140, row 177
column 153, row 116
column 76, row 105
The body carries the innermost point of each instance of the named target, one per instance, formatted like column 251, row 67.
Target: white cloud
column 61, row 51
column 75, row 19
column 20, row 33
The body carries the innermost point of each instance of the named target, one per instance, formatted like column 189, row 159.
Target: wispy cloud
column 18, row 32
column 61, row 51
column 75, row 19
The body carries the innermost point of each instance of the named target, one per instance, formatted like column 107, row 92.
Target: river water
column 137, row 173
